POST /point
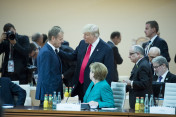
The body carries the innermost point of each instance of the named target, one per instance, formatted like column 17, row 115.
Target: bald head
column 153, row 52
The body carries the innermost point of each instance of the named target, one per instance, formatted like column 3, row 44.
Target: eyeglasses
column 131, row 53
column 156, row 67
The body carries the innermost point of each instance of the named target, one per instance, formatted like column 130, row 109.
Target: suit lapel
column 96, row 51
column 55, row 55
column 83, row 51
column 155, row 41
column 167, row 77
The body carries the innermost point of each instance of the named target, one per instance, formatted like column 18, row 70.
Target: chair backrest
column 28, row 98
column 170, row 95
column 119, row 93
column 16, row 82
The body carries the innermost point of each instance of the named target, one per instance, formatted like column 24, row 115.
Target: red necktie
column 84, row 64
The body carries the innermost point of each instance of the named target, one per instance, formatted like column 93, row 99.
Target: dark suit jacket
column 157, row 89
column 20, row 57
column 102, row 53
column 68, row 67
column 8, row 90
column 162, row 45
column 49, row 73
column 117, row 60
column 170, row 78
column 141, row 76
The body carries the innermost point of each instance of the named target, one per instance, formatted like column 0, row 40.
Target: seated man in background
column 163, row 75
column 99, row 93
column 8, row 90
column 160, row 66
column 153, row 52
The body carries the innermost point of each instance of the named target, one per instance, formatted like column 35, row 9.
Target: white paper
column 108, row 108
column 162, row 110
column 68, row 107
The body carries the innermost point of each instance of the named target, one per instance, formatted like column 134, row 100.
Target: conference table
column 34, row 111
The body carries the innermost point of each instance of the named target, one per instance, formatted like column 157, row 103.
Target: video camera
column 10, row 35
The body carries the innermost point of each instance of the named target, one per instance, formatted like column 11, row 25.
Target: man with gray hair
column 140, row 81
column 49, row 66
column 160, row 66
column 91, row 49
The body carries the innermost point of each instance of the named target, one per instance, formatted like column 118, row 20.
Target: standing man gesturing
column 49, row 66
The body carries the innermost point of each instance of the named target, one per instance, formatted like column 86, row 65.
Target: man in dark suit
column 49, row 66
column 91, row 49
column 151, row 30
column 115, row 40
column 68, row 67
column 162, row 75
column 15, row 47
column 160, row 66
column 8, row 90
column 140, row 82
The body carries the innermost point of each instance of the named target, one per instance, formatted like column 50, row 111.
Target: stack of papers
column 162, row 110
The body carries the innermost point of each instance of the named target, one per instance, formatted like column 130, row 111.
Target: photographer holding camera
column 15, row 49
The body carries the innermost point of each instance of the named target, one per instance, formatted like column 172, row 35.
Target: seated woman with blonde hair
column 99, row 93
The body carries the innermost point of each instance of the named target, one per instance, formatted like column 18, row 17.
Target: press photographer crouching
column 32, row 64
column 14, row 49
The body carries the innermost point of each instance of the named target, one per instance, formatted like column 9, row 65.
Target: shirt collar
column 112, row 42
column 94, row 44
column 164, row 75
column 52, row 46
column 153, row 38
column 138, row 61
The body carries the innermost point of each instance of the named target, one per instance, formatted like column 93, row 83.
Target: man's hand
column 127, row 81
column 3, row 36
column 13, row 42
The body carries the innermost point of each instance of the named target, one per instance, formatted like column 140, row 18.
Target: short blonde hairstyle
column 91, row 28
column 99, row 69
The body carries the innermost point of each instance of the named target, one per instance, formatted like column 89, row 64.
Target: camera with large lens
column 10, row 35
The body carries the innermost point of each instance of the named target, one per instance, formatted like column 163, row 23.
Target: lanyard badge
column 10, row 66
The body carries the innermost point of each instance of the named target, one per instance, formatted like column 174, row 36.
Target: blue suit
column 103, row 53
column 49, row 73
column 101, row 93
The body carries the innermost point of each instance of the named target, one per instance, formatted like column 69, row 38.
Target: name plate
column 162, row 110
column 68, row 107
